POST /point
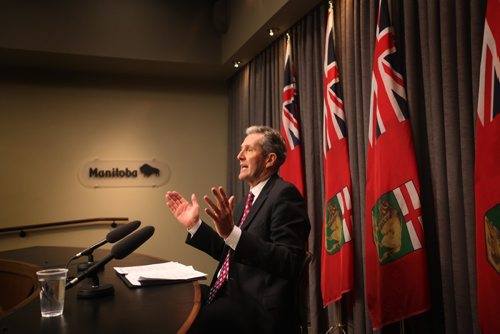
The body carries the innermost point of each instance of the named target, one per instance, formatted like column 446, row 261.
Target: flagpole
column 402, row 327
column 339, row 326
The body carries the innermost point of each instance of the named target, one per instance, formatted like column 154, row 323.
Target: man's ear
column 271, row 160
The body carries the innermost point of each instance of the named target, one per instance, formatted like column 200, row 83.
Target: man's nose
column 240, row 155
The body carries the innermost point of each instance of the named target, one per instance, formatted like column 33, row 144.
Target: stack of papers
column 167, row 272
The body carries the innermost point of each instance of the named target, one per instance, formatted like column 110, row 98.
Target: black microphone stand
column 118, row 251
column 93, row 289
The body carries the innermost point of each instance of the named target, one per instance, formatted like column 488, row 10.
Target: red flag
column 337, row 247
column 487, row 176
column 396, row 264
column 291, row 170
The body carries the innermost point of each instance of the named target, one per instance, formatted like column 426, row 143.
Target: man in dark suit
column 260, row 244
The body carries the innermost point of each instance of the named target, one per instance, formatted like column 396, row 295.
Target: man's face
column 252, row 162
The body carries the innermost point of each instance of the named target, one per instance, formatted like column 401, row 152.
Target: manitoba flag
column 487, row 176
column 337, row 247
column 396, row 264
column 292, row 169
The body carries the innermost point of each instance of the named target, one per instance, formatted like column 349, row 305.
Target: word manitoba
column 115, row 172
column 145, row 169
column 99, row 173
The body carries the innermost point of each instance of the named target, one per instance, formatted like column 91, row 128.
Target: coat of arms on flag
column 492, row 237
column 337, row 233
column 396, row 223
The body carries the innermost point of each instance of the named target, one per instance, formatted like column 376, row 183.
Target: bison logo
column 148, row 170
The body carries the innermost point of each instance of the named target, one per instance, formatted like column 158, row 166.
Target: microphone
column 112, row 237
column 118, row 251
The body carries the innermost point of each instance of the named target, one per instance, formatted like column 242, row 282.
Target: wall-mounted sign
column 124, row 173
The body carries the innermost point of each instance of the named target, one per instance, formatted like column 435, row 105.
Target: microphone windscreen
column 132, row 242
column 122, row 231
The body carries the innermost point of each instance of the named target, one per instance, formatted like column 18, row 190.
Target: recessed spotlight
column 272, row 31
column 237, row 63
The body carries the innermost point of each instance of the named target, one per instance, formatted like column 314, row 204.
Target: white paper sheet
column 171, row 271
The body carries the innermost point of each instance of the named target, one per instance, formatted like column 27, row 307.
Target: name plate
column 124, row 173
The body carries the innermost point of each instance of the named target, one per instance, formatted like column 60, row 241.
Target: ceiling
column 149, row 38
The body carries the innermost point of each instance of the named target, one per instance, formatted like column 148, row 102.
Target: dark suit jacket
column 267, row 260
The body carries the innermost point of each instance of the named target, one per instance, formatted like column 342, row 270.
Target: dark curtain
column 441, row 43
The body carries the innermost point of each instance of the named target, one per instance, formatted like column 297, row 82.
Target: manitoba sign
column 123, row 173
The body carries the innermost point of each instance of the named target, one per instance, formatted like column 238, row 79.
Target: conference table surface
column 166, row 308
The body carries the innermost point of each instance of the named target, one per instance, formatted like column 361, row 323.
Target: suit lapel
column 258, row 202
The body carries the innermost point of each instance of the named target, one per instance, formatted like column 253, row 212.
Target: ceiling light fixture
column 237, row 63
column 272, row 31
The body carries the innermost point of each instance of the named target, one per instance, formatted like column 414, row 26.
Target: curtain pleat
column 441, row 43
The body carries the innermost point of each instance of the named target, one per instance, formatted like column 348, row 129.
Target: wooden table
column 162, row 309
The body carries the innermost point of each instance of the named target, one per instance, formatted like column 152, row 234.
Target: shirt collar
column 258, row 189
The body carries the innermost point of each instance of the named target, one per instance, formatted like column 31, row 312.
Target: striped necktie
column 225, row 266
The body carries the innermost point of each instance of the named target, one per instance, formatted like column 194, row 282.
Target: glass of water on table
column 52, row 289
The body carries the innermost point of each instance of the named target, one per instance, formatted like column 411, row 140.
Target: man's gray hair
column 271, row 142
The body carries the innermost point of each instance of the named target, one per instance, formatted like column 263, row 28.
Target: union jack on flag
column 333, row 109
column 290, row 110
column 386, row 71
column 489, row 83
column 292, row 168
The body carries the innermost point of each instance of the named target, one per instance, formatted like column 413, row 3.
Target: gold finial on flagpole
column 330, row 3
column 339, row 326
